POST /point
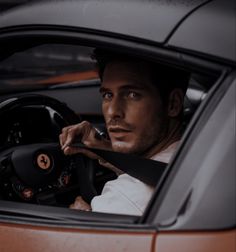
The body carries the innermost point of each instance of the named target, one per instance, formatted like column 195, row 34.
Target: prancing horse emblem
column 43, row 161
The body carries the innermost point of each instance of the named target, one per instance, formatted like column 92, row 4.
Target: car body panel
column 196, row 241
column 171, row 21
column 75, row 239
column 14, row 237
column 207, row 30
column 7, row 4
column 118, row 17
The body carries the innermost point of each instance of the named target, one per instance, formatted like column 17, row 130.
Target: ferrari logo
column 43, row 161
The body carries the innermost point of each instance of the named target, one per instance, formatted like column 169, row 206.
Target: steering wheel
column 35, row 171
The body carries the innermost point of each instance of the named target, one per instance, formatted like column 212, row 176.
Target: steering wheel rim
column 85, row 167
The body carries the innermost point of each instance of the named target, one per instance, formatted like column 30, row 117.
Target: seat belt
column 146, row 170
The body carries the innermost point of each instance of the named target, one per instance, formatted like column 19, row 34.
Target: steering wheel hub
column 44, row 161
column 38, row 164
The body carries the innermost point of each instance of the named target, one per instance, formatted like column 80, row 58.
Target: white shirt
column 126, row 194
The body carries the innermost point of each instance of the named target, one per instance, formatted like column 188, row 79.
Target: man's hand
column 85, row 133
column 80, row 204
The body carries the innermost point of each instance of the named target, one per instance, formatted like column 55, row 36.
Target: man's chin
column 124, row 147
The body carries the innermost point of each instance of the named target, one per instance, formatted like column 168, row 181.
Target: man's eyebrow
column 124, row 87
column 103, row 90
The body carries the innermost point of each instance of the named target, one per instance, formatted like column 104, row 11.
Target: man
column 142, row 104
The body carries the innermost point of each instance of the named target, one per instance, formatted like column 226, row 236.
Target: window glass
column 48, row 64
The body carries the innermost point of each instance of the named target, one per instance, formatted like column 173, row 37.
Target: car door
column 28, row 235
column 198, row 208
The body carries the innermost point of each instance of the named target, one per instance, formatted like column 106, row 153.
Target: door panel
column 196, row 242
column 15, row 238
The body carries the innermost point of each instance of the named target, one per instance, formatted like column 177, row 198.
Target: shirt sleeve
column 125, row 195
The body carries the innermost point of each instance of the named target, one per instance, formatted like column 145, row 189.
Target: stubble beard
column 144, row 143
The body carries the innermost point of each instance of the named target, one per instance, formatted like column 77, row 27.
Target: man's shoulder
column 123, row 195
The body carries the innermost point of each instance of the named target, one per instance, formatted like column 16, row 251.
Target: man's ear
column 175, row 102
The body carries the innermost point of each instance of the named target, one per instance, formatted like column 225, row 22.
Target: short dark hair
column 166, row 78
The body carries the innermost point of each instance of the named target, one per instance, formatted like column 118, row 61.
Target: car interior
column 46, row 86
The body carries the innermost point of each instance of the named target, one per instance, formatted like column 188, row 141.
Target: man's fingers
column 69, row 150
column 68, row 135
column 86, row 134
column 80, row 204
column 64, row 134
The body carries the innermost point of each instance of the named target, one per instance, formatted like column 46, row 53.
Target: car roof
column 196, row 25
column 151, row 20
column 210, row 30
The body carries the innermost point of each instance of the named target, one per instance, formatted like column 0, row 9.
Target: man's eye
column 107, row 96
column 133, row 95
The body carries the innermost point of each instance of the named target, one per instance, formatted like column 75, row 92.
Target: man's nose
column 116, row 108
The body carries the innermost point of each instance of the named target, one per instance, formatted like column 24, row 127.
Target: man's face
column 132, row 107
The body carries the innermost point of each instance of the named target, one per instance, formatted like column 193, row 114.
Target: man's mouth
column 118, row 131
